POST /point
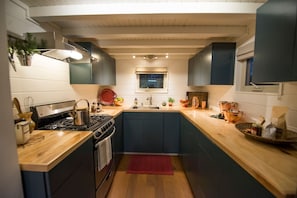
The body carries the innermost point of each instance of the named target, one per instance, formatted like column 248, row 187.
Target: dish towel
column 104, row 153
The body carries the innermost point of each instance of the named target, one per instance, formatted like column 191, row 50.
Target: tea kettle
column 81, row 116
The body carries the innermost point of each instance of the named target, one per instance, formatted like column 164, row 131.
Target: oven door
column 103, row 175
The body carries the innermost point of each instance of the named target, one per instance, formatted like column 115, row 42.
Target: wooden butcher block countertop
column 46, row 148
column 275, row 167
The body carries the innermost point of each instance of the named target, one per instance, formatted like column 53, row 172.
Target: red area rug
column 150, row 164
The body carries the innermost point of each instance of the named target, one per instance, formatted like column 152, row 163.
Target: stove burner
column 67, row 124
column 55, row 116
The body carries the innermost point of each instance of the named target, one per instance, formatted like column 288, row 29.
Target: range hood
column 54, row 45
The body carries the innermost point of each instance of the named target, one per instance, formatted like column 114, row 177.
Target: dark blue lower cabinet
column 171, row 132
column 118, row 145
column 143, row 132
column 73, row 177
column 151, row 132
column 211, row 172
column 189, row 155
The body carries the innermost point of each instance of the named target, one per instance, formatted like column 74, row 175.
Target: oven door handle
column 113, row 131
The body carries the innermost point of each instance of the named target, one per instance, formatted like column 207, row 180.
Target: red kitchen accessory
column 107, row 96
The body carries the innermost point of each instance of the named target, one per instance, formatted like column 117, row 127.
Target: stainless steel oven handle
column 113, row 131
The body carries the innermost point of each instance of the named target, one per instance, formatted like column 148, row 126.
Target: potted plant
column 170, row 101
column 25, row 49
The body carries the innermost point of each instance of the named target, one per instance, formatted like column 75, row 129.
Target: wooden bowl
column 232, row 117
column 184, row 103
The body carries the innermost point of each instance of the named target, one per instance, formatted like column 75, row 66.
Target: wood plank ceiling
column 179, row 28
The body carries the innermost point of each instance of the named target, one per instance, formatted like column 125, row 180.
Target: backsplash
column 255, row 104
column 126, row 80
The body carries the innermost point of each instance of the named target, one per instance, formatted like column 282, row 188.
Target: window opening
column 151, row 81
column 249, row 71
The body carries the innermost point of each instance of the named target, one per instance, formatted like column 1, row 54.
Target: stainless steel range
column 59, row 116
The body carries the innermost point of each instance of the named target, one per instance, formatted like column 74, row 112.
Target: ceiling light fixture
column 150, row 57
column 75, row 55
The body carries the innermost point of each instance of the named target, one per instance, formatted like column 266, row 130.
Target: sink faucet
column 150, row 99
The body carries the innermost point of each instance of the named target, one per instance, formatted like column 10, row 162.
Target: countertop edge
column 46, row 167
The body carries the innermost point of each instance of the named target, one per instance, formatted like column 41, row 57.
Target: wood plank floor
column 150, row 186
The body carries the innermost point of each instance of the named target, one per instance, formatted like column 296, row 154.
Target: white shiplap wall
column 126, row 80
column 46, row 81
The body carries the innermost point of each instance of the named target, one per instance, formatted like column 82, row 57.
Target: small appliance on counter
column 22, row 131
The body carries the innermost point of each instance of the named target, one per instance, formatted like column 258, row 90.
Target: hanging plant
column 11, row 50
column 25, row 49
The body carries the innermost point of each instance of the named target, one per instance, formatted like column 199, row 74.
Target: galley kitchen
column 148, row 99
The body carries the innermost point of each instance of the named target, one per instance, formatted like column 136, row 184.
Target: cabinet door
column 74, row 176
column 189, row 152
column 204, row 66
column 101, row 71
column 118, row 139
column 213, row 65
column 235, row 181
column 274, row 42
column 171, row 132
column 223, row 60
column 80, row 73
column 208, row 167
column 191, row 71
column 104, row 71
column 143, row 132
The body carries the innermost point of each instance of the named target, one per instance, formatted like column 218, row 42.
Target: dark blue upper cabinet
column 275, row 42
column 214, row 65
column 100, row 71
column 80, row 73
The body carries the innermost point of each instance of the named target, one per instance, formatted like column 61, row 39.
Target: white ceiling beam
column 152, row 43
column 145, row 8
column 175, row 56
column 170, row 57
column 134, row 51
column 156, row 31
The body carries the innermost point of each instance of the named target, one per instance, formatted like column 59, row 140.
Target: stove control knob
column 98, row 134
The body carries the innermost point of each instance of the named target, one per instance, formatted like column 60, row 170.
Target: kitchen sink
column 145, row 107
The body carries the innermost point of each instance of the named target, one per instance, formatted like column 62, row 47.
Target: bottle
column 135, row 101
column 93, row 107
column 98, row 107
